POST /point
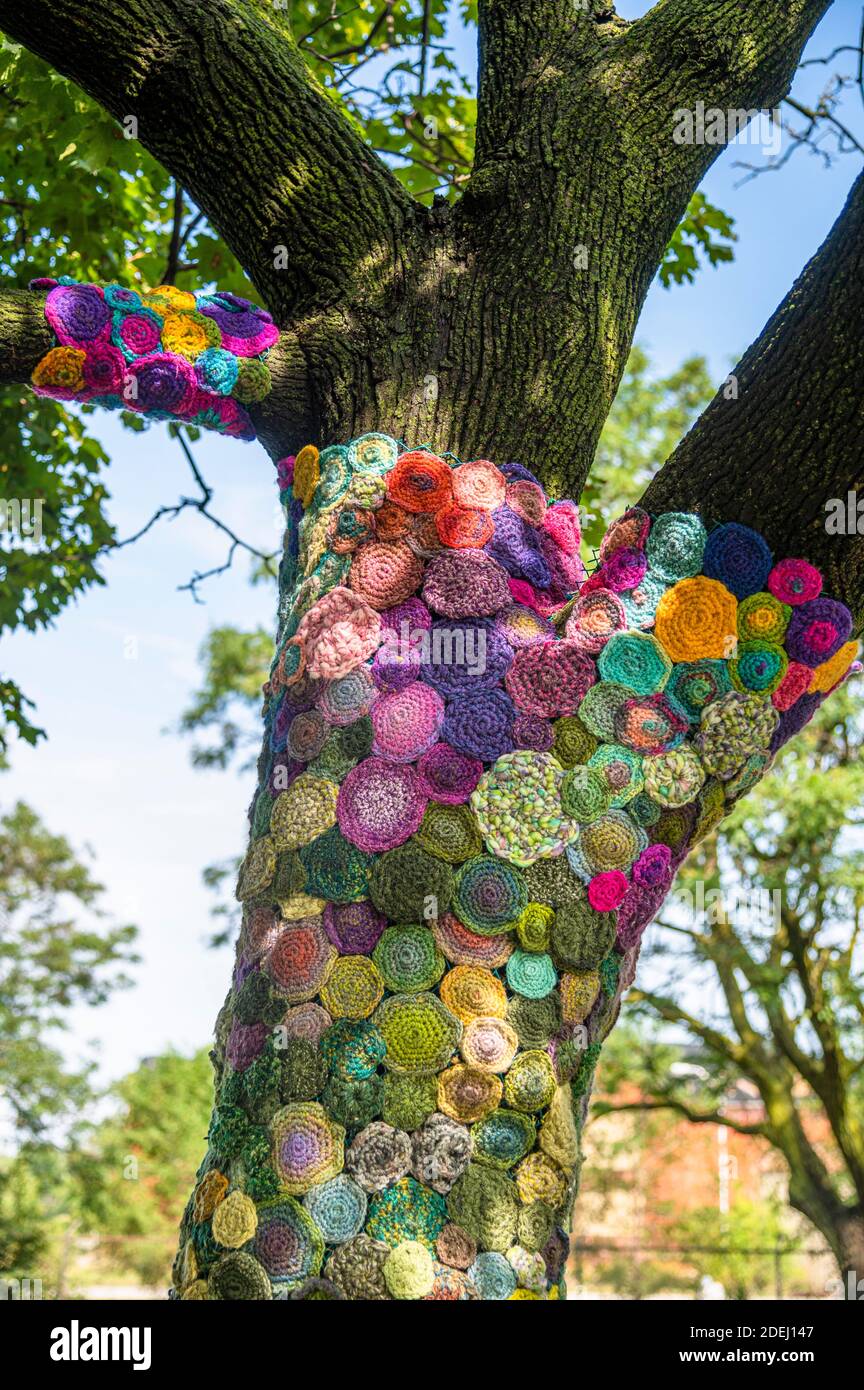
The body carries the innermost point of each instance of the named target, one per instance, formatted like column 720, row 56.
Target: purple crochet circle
column 465, row 657
column 78, row 314
column 466, row 584
column 162, row 381
column 245, row 1043
column 636, row 910
column 246, row 329
column 817, row 629
column 792, row 720
column 407, row 722
column 532, row 732
column 625, row 569
column 518, row 473
column 394, row 668
column 412, row 611
column 353, row 928
column 448, row 775
column 523, row 626
column 515, row 546
column 652, row 868
column 481, row 725
column 380, row 804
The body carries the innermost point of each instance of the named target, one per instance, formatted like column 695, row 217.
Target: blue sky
column 113, row 776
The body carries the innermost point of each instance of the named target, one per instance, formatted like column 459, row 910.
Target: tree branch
column 230, row 109
column 783, row 436
column 24, row 334
column 695, row 1117
column 283, row 420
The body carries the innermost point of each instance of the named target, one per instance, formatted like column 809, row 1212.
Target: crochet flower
column 60, row 373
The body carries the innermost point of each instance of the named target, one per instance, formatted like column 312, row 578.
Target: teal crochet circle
column 676, row 545
column 531, row 974
column 637, row 660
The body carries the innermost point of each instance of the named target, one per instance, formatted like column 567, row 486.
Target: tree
column 767, row 920
column 135, row 1168
column 496, row 325
column 56, row 951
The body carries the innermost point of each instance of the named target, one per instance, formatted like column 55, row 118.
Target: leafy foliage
column 50, row 960
column 704, row 228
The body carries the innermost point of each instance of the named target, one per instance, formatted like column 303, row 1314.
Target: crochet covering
column 481, row 770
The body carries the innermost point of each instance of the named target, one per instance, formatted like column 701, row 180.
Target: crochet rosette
column 165, row 353
column 480, row 772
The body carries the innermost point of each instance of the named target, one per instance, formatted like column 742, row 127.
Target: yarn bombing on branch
column 165, row 353
column 481, row 770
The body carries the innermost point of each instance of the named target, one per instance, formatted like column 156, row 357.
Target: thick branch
column 24, row 334
column 282, row 420
column 783, row 437
column 230, row 109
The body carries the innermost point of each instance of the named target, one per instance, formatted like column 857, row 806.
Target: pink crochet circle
column 606, row 891
column 794, row 582
column 407, row 722
column 594, row 618
column 567, row 569
column 385, row 572
column 550, row 679
column 338, row 633
column 480, row 484
column 448, row 775
column 796, row 682
column 562, row 523
column 380, row 804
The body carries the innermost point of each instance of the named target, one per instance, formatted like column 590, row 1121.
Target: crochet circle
column 550, row 678
column 449, row 832
column 481, row 726
column 739, row 558
column 419, row 1032
column 489, row 1043
column 408, row 960
column 697, row 618
column 761, row 618
column 694, row 684
column 758, row 666
column 676, row 545
column 380, row 804
column 462, row 946
column 353, row 988
column 488, row 895
column 420, row 482
column 585, row 794
column 817, row 630
column 531, row 973
column 637, row 660
column 337, row 1208
column 407, row 722
column 620, row 770
column 384, row 573
column 466, row 584
column 468, row 1093
column 674, row 778
column 794, row 581
column 308, row 1148
column 518, row 807
column 594, row 619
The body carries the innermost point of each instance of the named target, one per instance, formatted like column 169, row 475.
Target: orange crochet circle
column 464, row 528
column 385, row 572
column 420, row 482
column 697, row 618
column 479, row 484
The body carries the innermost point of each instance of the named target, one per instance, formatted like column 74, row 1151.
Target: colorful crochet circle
column 380, row 804
column 518, row 807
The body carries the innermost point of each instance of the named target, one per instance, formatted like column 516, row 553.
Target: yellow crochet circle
column 353, row 989
column 208, row 1194
column 306, row 474
column 469, row 992
column 235, row 1220
column 697, row 618
column 304, row 812
column 169, row 295
column 539, row 1179
column 189, row 334
column 60, row 367
column 467, row 1093
column 829, row 673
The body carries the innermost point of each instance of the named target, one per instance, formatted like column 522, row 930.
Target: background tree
column 56, row 952
column 764, row 931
